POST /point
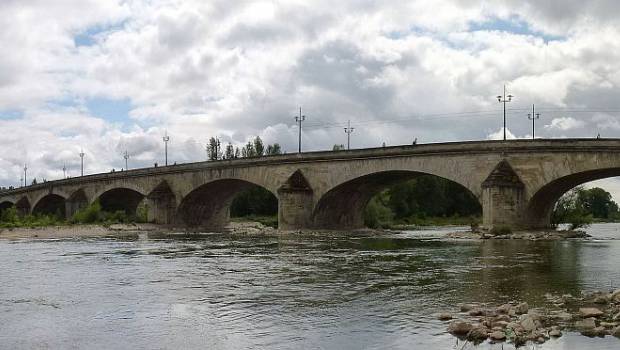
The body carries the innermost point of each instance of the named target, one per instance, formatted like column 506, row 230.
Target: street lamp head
column 499, row 98
column 510, row 98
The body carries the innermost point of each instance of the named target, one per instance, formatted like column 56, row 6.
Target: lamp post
column 64, row 170
column 81, row 162
column 533, row 118
column 166, row 138
column 348, row 130
column 504, row 99
column 126, row 156
column 25, row 172
column 300, row 119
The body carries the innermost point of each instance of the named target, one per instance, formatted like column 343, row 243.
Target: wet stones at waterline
column 593, row 315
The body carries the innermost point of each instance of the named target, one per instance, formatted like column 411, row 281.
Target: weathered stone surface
column 529, row 323
column 459, row 327
column 476, row 312
column 615, row 296
column 521, row 308
column 616, row 332
column 590, row 312
column 555, row 333
column 444, row 316
column 503, row 309
column 467, row 307
column 585, row 324
column 497, row 335
column 478, row 334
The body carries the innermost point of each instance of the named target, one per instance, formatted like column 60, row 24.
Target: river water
column 319, row 292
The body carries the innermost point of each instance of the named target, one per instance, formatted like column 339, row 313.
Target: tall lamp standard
column 166, row 138
column 348, row 130
column 81, row 162
column 64, row 170
column 126, row 156
column 504, row 99
column 25, row 172
column 533, row 118
column 300, row 119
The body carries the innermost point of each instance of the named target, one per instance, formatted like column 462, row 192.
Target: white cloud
column 240, row 69
column 499, row 135
column 564, row 124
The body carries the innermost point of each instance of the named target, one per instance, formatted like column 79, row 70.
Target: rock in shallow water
column 556, row 333
column 616, row 332
column 478, row 334
column 444, row 316
column 590, row 312
column 497, row 335
column 521, row 308
column 585, row 324
column 460, row 327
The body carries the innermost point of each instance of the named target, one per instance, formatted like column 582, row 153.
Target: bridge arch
column 541, row 204
column 208, row 205
column 51, row 204
column 342, row 207
column 23, row 206
column 120, row 199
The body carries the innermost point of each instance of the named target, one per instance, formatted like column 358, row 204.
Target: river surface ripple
column 319, row 292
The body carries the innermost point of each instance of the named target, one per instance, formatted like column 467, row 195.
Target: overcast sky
column 111, row 75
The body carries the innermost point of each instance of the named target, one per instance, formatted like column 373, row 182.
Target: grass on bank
column 92, row 214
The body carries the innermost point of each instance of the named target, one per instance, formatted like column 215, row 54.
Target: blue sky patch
column 115, row 111
column 513, row 25
column 10, row 114
column 89, row 36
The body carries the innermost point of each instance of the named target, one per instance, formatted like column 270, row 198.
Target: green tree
column 597, row 202
column 248, row 150
column 259, row 147
column 213, row 149
column 569, row 209
column 273, row 149
column 338, row 148
column 230, row 151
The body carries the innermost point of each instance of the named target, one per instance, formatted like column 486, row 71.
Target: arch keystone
column 503, row 198
column 295, row 203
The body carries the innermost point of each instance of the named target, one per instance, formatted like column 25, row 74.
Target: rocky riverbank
column 162, row 232
column 528, row 235
column 593, row 315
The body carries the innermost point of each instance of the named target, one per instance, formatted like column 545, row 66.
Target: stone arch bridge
column 517, row 182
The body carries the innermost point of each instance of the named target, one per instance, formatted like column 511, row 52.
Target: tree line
column 425, row 200
column 254, row 148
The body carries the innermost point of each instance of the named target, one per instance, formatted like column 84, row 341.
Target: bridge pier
column 503, row 198
column 161, row 205
column 295, row 203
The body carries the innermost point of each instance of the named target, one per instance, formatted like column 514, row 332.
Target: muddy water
column 319, row 292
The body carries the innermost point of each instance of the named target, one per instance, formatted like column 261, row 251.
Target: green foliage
column 230, row 151
column 9, row 218
column 254, row 201
column 377, row 214
column 213, row 149
column 425, row 200
column 579, row 207
column 338, row 147
column 88, row 215
column 273, row 149
column 259, row 147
